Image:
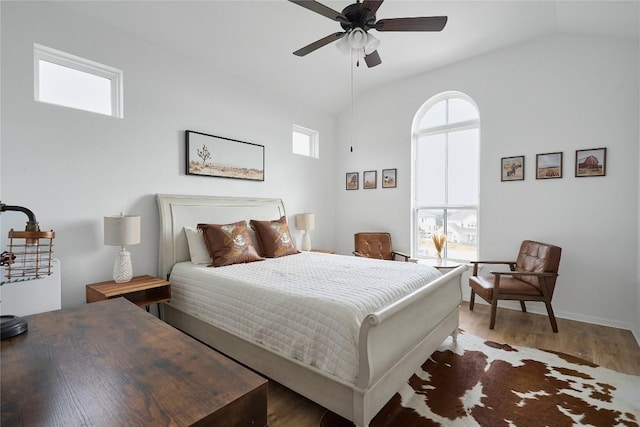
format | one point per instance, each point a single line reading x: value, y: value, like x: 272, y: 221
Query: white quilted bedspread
x: 307, y: 306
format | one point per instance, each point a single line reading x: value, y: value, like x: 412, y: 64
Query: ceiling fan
x: 357, y: 19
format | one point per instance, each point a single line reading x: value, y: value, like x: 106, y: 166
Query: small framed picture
x: 369, y: 180
x: 389, y: 178
x: 592, y: 162
x: 548, y: 165
x: 353, y: 179
x: 512, y: 168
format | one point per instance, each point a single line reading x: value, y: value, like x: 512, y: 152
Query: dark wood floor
x: 609, y: 347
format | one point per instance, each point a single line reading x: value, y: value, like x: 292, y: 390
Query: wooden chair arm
x: 492, y: 262
x: 523, y: 273
x: 401, y: 254
x: 511, y: 264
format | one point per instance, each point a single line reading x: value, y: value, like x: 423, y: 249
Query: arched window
x: 446, y: 158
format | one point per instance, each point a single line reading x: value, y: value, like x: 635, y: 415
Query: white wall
x: 72, y: 167
x: 636, y: 331
x: 558, y: 93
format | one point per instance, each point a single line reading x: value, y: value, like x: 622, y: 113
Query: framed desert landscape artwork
x: 512, y: 168
x: 549, y: 165
x: 352, y: 180
x: 210, y: 155
x: 389, y: 178
x: 369, y: 180
x: 592, y: 162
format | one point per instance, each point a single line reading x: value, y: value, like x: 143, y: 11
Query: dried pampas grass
x: 439, y: 241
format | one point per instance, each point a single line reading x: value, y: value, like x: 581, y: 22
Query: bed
x: 390, y: 341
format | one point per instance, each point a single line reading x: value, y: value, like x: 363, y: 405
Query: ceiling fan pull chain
x: 352, y: 109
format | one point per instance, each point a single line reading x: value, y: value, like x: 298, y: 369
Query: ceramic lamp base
x: 306, y: 241
x: 122, y: 269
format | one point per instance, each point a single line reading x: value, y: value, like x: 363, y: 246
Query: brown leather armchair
x: 532, y: 277
x: 376, y: 245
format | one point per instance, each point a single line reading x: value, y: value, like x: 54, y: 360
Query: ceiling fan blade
x: 318, y: 44
x: 373, y: 59
x: 371, y: 5
x: 321, y: 9
x: 431, y: 23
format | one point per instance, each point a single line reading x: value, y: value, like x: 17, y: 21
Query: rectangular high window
x: 306, y: 142
x: 71, y: 81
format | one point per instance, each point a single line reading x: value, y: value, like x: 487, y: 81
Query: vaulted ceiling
x: 254, y: 40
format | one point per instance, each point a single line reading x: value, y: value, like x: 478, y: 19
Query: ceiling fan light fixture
x: 357, y: 38
x: 371, y: 45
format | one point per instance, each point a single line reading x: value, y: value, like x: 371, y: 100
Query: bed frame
x: 394, y: 341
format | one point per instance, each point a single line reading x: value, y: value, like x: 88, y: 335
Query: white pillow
x: 197, y: 247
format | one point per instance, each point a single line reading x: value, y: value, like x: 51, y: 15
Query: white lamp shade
x: 357, y: 38
x: 372, y: 44
x: 306, y: 221
x: 122, y: 230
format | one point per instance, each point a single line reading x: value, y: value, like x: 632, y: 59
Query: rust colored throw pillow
x: 229, y: 243
x: 274, y: 238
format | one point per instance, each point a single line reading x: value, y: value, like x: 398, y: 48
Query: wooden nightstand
x: 323, y: 251
x: 141, y: 290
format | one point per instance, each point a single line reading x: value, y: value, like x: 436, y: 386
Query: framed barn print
x: 548, y: 165
x: 512, y: 168
x: 591, y: 162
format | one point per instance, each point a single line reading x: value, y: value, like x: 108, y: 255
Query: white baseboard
x: 540, y: 309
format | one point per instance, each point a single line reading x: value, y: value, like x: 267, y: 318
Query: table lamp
x: 122, y: 230
x: 306, y: 222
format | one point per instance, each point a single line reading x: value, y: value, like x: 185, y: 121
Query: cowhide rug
x: 480, y: 383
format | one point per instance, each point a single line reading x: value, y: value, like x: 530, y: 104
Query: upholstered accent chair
x: 376, y: 245
x: 532, y: 277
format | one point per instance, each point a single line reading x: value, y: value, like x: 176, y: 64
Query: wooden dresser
x: 112, y: 364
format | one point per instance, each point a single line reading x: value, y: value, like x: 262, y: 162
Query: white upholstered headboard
x: 178, y: 211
